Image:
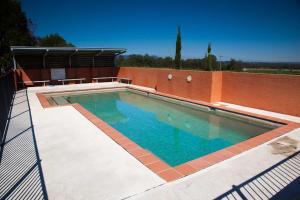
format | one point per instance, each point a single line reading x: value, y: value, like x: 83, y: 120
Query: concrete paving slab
x: 262, y: 112
x: 81, y: 162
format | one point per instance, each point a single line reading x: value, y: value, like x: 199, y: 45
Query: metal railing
x: 7, y: 91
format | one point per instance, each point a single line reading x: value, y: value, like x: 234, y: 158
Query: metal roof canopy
x: 44, y: 51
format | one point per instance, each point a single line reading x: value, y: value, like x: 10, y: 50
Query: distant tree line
x: 207, y: 63
x: 137, y: 60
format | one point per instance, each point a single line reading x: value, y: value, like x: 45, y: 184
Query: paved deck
x: 262, y: 112
x: 78, y: 161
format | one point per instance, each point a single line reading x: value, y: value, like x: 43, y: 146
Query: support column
x: 44, y: 58
x: 70, y: 57
x: 216, y: 87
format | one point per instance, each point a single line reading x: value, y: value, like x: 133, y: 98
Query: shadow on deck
x: 281, y: 181
x: 20, y: 166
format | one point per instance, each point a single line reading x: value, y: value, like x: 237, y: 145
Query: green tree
x: 166, y: 62
x: 208, y: 57
x: 209, y: 49
x: 15, y: 29
x: 234, y: 65
x: 144, y: 61
x: 54, y: 40
x: 191, y: 63
x: 210, y: 60
x: 178, y: 50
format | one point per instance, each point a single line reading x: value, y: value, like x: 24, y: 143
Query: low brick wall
x: 277, y: 93
x: 82, y: 72
x: 273, y: 92
x: 201, y: 87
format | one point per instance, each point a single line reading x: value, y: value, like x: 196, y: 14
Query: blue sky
x: 253, y: 30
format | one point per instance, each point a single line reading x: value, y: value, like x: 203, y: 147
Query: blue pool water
x: 173, y: 132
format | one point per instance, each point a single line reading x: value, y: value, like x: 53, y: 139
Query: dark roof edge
x: 60, y: 49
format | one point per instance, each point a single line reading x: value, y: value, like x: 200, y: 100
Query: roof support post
x: 97, y: 54
x: 115, y: 55
x: 70, y: 57
x: 44, y: 58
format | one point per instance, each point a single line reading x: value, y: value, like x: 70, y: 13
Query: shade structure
x: 63, y: 57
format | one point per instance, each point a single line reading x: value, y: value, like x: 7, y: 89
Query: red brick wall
x: 200, y: 88
x: 217, y: 80
x: 45, y: 74
x: 278, y: 93
x: 33, y: 74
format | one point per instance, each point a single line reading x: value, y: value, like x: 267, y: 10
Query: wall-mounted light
x: 170, y: 76
x: 189, y: 78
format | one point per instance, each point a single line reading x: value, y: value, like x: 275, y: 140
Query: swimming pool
x: 175, y: 131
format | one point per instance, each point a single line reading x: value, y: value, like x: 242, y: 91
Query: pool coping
x: 158, y: 166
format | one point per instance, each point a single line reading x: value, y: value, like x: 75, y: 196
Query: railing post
x: 2, y: 112
x: 15, y: 80
x: 6, y: 89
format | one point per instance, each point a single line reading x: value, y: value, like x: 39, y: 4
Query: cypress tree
x: 178, y: 50
x: 209, y: 48
x: 209, y: 57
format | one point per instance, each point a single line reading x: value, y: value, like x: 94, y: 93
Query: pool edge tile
x: 186, y: 169
x: 158, y: 166
x: 170, y: 174
x: 199, y: 163
x: 148, y: 159
x: 162, y: 169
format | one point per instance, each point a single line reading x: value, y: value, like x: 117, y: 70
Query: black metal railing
x: 280, y: 181
x: 7, y: 90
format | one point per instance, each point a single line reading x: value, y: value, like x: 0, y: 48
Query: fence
x: 7, y: 91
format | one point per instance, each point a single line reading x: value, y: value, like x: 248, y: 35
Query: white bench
x: 71, y: 79
x: 125, y: 79
x: 105, y: 78
x: 33, y: 82
x: 112, y: 79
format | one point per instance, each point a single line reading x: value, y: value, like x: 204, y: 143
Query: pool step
x: 60, y: 101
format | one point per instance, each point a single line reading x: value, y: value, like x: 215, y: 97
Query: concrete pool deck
x: 262, y: 112
x: 80, y: 162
